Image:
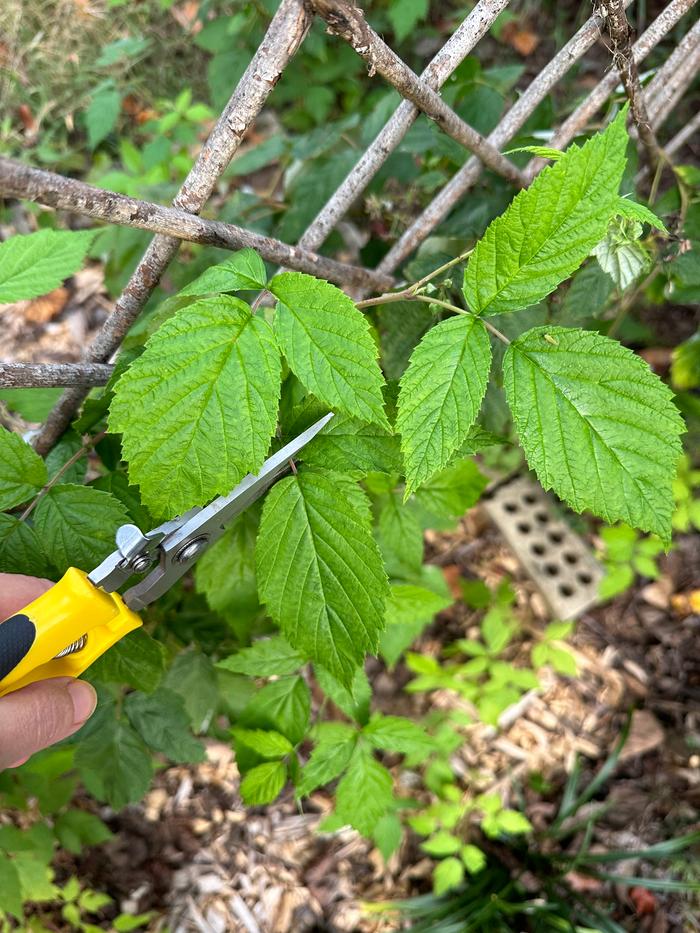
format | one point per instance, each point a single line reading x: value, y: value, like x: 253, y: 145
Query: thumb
x: 41, y: 714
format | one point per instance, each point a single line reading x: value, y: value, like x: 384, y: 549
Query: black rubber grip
x: 17, y: 635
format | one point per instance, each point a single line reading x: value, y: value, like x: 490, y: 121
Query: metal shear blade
x: 179, y: 542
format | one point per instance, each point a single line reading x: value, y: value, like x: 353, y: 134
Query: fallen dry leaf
x: 646, y: 734
x: 452, y: 575
x: 643, y: 900
x: 519, y: 37
x: 46, y: 307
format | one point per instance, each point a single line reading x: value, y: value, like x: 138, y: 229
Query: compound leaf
x: 596, y: 425
x: 550, y: 227
x: 198, y: 408
x: 320, y: 573
x: 330, y: 756
x: 328, y: 345
x: 364, y: 792
x: 440, y: 396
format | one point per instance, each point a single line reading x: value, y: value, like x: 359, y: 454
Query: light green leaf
x: 76, y: 829
x: 397, y: 734
x: 328, y: 345
x: 350, y: 445
x: 685, y: 365
x: 400, y: 536
x: 542, y: 152
x: 329, y: 758
x: 557, y: 630
x: 473, y: 858
x: 320, y: 572
x: 626, y: 207
x: 562, y: 661
x: 198, y: 408
x: 193, y: 677
x: 264, y: 743
x: 452, y: 491
x: 10, y: 892
x: 354, y: 700
x: 263, y: 783
x: 226, y: 572
x: 283, y: 706
x: 387, y: 835
x: 621, y: 257
x: 20, y: 548
x: 441, y: 394
x: 404, y: 15
x: 511, y: 821
x: 442, y: 843
x: 265, y: 658
x: 550, y: 227
x: 22, y: 471
x: 37, y: 263
x: 137, y: 660
x: 35, y: 878
x: 408, y: 610
x: 32, y: 404
x: 243, y: 270
x: 102, y: 114
x: 618, y: 578
x: 448, y: 874
x: 77, y: 525
x: 114, y: 764
x: 162, y: 722
x: 596, y: 425
x: 368, y: 782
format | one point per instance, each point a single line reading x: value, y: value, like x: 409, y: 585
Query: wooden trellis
x: 650, y: 107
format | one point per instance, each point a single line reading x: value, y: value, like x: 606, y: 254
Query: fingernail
x: 84, y: 700
x: 19, y: 762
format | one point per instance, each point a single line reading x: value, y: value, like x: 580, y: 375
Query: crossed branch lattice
x: 650, y: 108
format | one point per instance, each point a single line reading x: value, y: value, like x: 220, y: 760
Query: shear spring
x: 77, y: 645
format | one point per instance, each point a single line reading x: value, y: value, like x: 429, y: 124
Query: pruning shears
x: 62, y: 632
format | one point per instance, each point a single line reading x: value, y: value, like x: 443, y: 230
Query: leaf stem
x: 86, y: 445
x: 408, y: 293
x: 445, y: 304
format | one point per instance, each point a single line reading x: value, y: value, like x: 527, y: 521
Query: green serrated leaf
x: 329, y: 758
x: 596, y: 425
x: 397, y: 734
x: 473, y: 858
x: 78, y: 828
x: 442, y: 843
x: 328, y: 345
x: 22, y: 471
x: 226, y: 572
x: 542, y: 152
x: 137, y: 660
x: 267, y: 657
x: 102, y: 114
x: 243, y: 270
x: 114, y: 764
x: 448, y: 874
x: 77, y: 525
x: 400, y: 536
x: 35, y: 878
x: 193, y: 676
x: 440, y: 396
x: 58, y: 457
x: 404, y: 15
x: 263, y: 783
x: 452, y: 491
x: 511, y: 821
x: 198, y: 408
x: 162, y: 722
x: 21, y: 550
x: 366, y: 781
x: 587, y: 295
x: 621, y: 257
x: 550, y: 227
x: 283, y: 705
x: 633, y: 211
x: 320, y: 573
x: 36, y: 263
x: 354, y: 700
x: 265, y: 743
x: 350, y: 445
x: 387, y: 835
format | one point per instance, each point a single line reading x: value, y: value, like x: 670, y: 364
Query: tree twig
x: 78, y: 197
x: 620, y: 34
x: 43, y: 375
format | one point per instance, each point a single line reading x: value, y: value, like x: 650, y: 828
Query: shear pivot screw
x: 139, y: 564
x: 191, y: 549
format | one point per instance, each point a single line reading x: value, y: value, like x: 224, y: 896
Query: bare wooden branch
x: 620, y: 34
x: 460, y: 183
x: 673, y: 78
x: 684, y: 135
x: 78, y: 197
x: 50, y: 375
x: 452, y: 53
x: 578, y: 120
x: 284, y: 35
x: 348, y: 21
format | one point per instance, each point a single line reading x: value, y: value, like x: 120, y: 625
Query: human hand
x: 44, y: 712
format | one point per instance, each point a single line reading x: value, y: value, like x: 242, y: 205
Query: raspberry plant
x: 330, y: 567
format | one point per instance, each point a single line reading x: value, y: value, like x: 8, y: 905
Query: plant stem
x: 408, y: 293
x: 91, y: 442
x: 445, y: 304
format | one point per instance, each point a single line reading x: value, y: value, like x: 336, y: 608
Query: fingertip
x: 84, y: 699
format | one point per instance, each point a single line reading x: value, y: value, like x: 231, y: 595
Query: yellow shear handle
x: 71, y: 609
